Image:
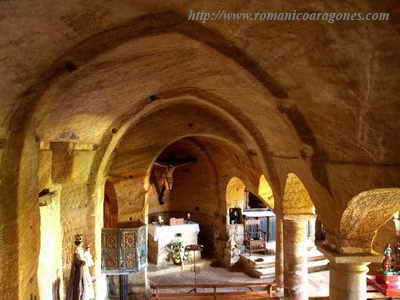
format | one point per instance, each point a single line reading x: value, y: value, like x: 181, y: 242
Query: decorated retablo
x: 124, y: 250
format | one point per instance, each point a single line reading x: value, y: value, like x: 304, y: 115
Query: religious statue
x: 163, y: 177
x: 388, y: 260
x: 80, y: 282
x: 397, y: 256
x: 235, y: 215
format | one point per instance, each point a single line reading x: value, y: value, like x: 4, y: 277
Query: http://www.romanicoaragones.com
x: 330, y: 17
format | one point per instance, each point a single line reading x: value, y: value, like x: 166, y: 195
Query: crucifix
x: 164, y: 178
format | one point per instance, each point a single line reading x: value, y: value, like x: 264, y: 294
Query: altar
x: 162, y: 235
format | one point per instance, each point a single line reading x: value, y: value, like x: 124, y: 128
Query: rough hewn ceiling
x: 342, y: 77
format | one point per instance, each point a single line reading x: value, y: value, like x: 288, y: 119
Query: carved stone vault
x: 94, y: 91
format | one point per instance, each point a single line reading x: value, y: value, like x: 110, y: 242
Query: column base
x: 348, y: 280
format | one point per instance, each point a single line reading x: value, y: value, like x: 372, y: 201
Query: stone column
x: 311, y: 239
x: 295, y: 256
x: 348, y: 281
x: 348, y: 274
x: 80, y: 205
x: 396, y: 221
x: 279, y: 251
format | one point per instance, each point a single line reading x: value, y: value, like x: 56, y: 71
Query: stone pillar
x: 311, y: 239
x: 80, y: 209
x: 348, y: 274
x: 279, y: 251
x: 295, y: 256
x: 348, y: 281
x: 396, y: 221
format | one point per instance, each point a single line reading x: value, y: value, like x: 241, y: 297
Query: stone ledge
x: 300, y: 217
x: 338, y: 258
x: 70, y: 146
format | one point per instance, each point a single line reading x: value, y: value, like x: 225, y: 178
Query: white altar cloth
x: 167, y: 232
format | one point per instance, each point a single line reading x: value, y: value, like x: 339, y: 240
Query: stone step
x: 311, y: 260
x: 313, y: 266
x: 167, y: 269
x: 271, y: 264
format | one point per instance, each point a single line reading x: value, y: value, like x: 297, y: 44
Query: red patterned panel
x: 130, y: 259
x: 129, y: 240
x: 111, y: 261
x: 111, y: 241
x: 110, y: 251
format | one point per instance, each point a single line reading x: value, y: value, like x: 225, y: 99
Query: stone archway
x: 298, y: 210
x: 365, y: 214
x: 387, y: 233
x: 86, y: 147
x: 229, y: 247
x: 235, y: 194
x: 265, y: 192
x: 296, y: 199
x: 137, y: 147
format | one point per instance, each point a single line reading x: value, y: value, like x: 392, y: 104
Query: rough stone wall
x: 28, y: 222
x: 77, y: 70
x: 131, y: 199
x: 154, y: 203
x: 235, y: 194
x: 76, y: 218
x: 385, y: 235
x: 110, y: 206
x: 231, y: 247
x: 9, y: 275
x: 197, y: 189
x: 50, y: 276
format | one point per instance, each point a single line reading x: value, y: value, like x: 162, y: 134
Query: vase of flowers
x: 177, y: 252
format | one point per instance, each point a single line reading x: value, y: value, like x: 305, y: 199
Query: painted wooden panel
x: 124, y: 250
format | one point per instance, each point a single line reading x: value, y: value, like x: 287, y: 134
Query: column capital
x: 338, y: 258
x: 69, y: 162
x: 299, y: 217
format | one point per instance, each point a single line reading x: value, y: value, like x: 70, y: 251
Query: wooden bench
x: 267, y: 292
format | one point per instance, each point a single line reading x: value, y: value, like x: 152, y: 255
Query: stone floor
x: 318, y: 281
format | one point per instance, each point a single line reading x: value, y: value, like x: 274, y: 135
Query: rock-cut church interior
x: 147, y: 153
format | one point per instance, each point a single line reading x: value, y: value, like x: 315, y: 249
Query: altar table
x: 161, y: 235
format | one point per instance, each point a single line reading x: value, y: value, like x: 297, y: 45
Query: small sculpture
x: 163, y: 177
x: 397, y: 256
x: 388, y: 260
x: 80, y: 282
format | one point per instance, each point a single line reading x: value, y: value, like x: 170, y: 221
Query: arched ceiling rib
x: 317, y: 63
x: 115, y: 82
x: 142, y: 144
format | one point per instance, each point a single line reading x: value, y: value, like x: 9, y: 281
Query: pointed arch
x: 235, y: 193
x: 265, y: 192
x: 296, y: 199
x: 365, y: 214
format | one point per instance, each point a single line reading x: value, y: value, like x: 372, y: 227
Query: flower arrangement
x: 177, y: 252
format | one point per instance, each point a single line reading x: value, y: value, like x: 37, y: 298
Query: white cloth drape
x: 164, y: 231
